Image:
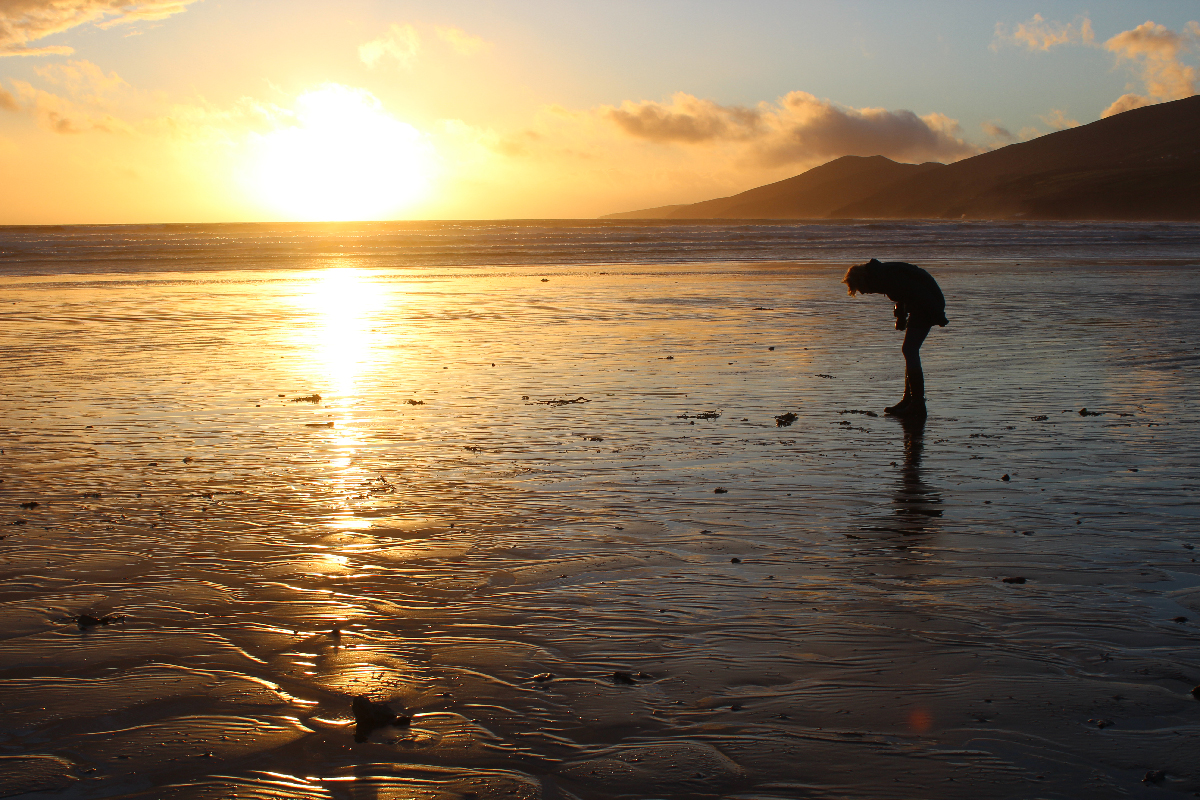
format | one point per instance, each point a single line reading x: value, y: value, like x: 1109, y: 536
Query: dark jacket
x: 916, y: 294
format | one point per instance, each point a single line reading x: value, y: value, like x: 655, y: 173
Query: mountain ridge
x: 1143, y: 164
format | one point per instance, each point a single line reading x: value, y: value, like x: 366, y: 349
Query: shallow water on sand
x: 815, y: 610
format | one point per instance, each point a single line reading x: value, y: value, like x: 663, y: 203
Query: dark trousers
x: 914, y: 378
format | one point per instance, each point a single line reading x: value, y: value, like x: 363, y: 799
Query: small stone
x: 370, y: 715
x: 720, y: 491
x: 1016, y: 579
x: 1005, y: 477
x: 735, y: 560
x: 542, y: 677
x: 1179, y: 619
x: 1154, y: 776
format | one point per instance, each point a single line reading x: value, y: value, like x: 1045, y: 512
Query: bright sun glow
x: 344, y: 158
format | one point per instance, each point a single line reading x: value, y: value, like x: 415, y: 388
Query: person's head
x: 864, y: 278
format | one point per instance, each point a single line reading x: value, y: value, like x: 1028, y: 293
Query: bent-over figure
x: 919, y: 306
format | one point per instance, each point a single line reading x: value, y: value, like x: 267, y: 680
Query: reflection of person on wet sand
x: 919, y: 306
x: 915, y: 501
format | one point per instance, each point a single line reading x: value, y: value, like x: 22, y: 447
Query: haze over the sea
x: 194, y: 111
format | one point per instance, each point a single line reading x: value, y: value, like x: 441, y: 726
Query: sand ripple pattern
x: 557, y: 592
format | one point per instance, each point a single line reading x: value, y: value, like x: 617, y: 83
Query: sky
x: 139, y: 111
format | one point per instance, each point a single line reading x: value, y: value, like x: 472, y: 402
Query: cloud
x: 1040, y: 34
x: 401, y: 42
x: 25, y: 21
x: 997, y: 131
x: 464, y: 44
x: 83, y: 80
x: 799, y: 128
x: 1126, y: 102
x: 7, y: 101
x: 686, y: 119
x: 1156, y: 52
x: 1058, y: 119
x: 62, y: 116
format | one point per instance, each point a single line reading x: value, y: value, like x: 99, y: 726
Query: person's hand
x: 901, y: 323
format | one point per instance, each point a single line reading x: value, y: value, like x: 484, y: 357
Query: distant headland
x: 1142, y: 164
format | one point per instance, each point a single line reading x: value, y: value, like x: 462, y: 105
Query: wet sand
x: 835, y: 623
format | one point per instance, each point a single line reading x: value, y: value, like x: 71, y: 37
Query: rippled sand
x: 432, y: 533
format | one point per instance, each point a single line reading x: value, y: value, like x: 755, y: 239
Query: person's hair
x: 861, y: 277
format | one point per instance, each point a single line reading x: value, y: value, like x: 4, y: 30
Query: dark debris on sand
x: 559, y: 402
x: 308, y: 398
x: 785, y: 420
x: 86, y: 621
x: 369, y: 715
x: 628, y: 678
x: 858, y: 411
x: 414, y: 402
x: 701, y: 415
x: 1083, y: 412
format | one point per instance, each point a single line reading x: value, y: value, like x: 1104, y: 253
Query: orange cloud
x: 25, y: 21
x: 1156, y: 51
x: 83, y: 80
x: 1058, y: 119
x: 800, y: 128
x: 62, y: 116
x: 1040, y: 34
x: 464, y: 43
x: 7, y: 101
x: 401, y: 43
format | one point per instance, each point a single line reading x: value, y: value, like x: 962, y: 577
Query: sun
x: 343, y: 157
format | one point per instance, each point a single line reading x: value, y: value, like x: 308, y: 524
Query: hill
x: 1143, y: 164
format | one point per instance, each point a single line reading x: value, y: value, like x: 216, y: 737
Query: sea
x: 596, y: 510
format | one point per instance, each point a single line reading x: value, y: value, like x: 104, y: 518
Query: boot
x: 900, y: 408
x: 915, y: 409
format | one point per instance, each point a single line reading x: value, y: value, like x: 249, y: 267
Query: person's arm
x: 901, y: 312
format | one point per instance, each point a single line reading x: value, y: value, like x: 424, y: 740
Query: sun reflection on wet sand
x: 342, y: 345
x: 343, y: 354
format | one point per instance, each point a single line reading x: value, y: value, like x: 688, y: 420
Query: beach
x: 527, y: 486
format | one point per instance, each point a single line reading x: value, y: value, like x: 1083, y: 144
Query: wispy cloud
x: 1057, y: 118
x: 1156, y: 53
x: 798, y: 128
x: 26, y: 21
x: 1039, y: 33
x: 997, y: 132
x: 60, y: 115
x: 401, y: 43
x: 83, y: 80
x: 464, y: 43
x: 7, y: 101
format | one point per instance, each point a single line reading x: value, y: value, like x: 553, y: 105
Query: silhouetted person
x: 919, y: 306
